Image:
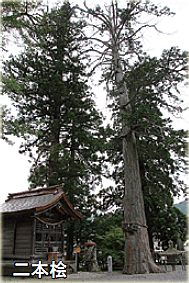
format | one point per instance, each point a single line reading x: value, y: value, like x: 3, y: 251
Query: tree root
x: 153, y: 268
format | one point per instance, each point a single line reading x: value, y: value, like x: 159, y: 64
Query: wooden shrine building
x: 32, y: 224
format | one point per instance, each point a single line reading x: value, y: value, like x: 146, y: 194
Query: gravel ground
x: 175, y: 276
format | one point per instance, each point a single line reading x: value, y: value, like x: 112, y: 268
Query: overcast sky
x: 14, y: 167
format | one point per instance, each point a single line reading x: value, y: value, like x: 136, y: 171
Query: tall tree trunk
x: 55, y: 127
x: 71, y: 192
x: 53, y: 164
x: 138, y: 257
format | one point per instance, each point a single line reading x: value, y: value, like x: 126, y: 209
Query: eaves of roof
x: 36, y: 201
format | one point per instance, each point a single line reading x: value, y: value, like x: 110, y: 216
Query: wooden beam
x: 14, y: 243
x: 33, y: 236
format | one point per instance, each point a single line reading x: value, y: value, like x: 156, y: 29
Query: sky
x: 14, y: 167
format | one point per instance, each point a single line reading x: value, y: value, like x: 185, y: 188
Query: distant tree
x: 112, y: 243
x: 56, y: 115
x: 172, y: 226
x: 106, y: 231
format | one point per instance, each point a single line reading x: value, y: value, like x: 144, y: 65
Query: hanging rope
x: 48, y: 223
x: 132, y: 226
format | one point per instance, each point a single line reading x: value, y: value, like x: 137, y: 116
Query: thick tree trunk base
x: 138, y: 258
x: 154, y: 268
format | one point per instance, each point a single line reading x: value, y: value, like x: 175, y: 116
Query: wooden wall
x: 16, y: 237
x: 7, y: 237
x: 23, y: 237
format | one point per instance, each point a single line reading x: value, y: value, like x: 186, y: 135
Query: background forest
x: 65, y: 136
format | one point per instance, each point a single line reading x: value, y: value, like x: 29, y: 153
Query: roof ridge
x: 35, y: 192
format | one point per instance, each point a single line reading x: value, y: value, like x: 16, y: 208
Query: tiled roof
x: 36, y: 200
x: 26, y: 203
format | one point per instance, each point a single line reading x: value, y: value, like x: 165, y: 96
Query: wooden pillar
x: 49, y: 236
x: 14, y: 237
x: 33, y: 238
x: 62, y: 227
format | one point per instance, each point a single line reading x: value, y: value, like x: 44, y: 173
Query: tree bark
x: 53, y: 164
x: 138, y: 258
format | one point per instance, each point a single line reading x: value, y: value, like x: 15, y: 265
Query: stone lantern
x: 90, y: 257
x: 172, y: 254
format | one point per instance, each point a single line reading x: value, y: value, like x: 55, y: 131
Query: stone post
x: 109, y: 263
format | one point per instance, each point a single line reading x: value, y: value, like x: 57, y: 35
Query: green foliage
x: 17, y: 18
x: 107, y: 233
x: 112, y: 243
x: 55, y: 111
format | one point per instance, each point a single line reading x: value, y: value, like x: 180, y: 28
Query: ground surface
x: 176, y: 276
x: 179, y: 276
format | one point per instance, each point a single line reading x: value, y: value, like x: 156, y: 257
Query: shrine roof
x: 37, y: 200
x: 171, y: 251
